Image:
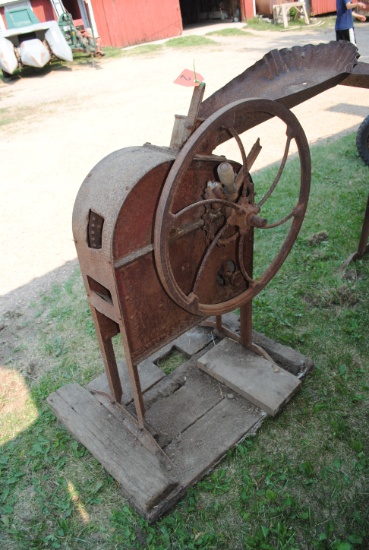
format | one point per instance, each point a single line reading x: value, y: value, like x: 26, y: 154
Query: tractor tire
x: 362, y: 140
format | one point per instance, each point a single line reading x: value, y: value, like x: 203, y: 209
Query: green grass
x: 5, y: 117
x: 264, y: 24
x: 144, y: 49
x: 154, y: 49
x: 300, y: 484
x: 260, y: 24
x: 175, y: 358
x: 189, y: 42
x: 228, y: 32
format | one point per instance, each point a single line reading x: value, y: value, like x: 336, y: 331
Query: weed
x: 171, y: 360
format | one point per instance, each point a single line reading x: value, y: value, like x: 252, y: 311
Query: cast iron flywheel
x: 216, y: 221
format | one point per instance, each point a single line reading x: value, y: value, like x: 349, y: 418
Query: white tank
x: 57, y: 42
x: 34, y: 53
x: 8, y: 60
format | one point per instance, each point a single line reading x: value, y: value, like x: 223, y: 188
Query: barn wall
x: 43, y: 10
x: 247, y: 9
x: 129, y: 22
x: 320, y: 7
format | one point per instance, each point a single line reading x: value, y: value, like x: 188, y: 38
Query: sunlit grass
x: 228, y: 32
x: 189, y: 42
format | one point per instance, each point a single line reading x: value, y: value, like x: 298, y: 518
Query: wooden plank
x: 173, y: 414
x: 189, y: 343
x: 259, y: 381
x: 194, y: 417
x: 203, y: 444
x: 149, y: 374
x: 193, y: 341
x: 175, y: 379
x: 142, y: 475
x: 290, y: 359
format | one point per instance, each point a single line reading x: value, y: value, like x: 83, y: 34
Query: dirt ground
x: 64, y: 122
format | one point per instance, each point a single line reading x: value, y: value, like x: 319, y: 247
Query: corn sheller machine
x: 167, y: 239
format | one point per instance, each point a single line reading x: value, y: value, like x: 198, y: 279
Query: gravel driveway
x: 63, y: 123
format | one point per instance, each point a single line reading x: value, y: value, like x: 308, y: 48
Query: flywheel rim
x: 226, y: 117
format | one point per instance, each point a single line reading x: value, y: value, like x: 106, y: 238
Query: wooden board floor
x: 192, y: 418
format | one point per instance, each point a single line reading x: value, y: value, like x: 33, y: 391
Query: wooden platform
x: 192, y: 417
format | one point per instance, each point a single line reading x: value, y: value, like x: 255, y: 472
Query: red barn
x: 122, y: 23
x: 320, y: 7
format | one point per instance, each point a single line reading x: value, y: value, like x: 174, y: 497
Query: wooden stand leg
x: 184, y: 126
x: 246, y: 310
x: 284, y: 17
x: 306, y: 17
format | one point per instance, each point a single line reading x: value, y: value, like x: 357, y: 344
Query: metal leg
x: 106, y: 329
x: 246, y: 325
x: 363, y: 243
x: 135, y: 381
x: 246, y: 309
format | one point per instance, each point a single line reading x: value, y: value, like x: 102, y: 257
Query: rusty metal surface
x: 363, y: 241
x: 120, y: 277
x: 222, y: 280
x: 289, y: 76
x: 359, y: 76
x: 105, y: 192
x: 165, y: 237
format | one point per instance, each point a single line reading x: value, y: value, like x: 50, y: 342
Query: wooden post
x: 184, y: 126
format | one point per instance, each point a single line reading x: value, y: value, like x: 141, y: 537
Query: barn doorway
x: 204, y: 11
x: 77, y: 9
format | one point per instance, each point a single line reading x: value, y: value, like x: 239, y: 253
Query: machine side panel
x: 151, y: 318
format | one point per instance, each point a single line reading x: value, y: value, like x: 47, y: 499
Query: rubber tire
x: 362, y: 140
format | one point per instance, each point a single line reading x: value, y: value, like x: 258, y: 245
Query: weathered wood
x: 193, y: 341
x: 151, y: 483
x: 149, y: 373
x: 280, y: 12
x: 174, y: 380
x: 250, y: 375
x: 288, y: 358
x: 202, y: 445
x: 172, y: 414
x: 192, y: 415
x: 141, y: 474
x: 190, y: 343
x: 184, y: 126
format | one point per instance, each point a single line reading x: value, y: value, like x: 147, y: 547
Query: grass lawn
x: 300, y: 483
